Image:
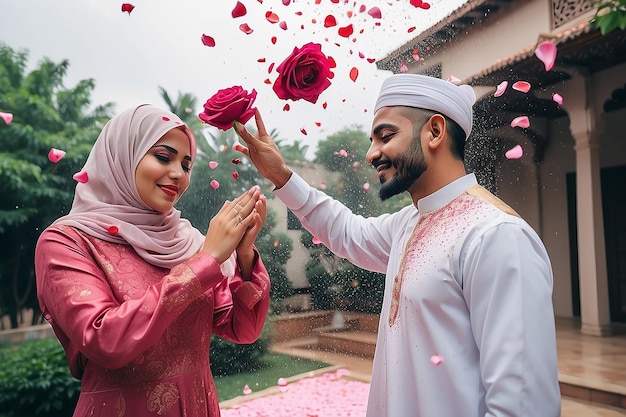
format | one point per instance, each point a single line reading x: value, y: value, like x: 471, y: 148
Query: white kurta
x: 476, y: 289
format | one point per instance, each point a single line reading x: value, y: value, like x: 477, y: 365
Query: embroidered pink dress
x: 138, y: 335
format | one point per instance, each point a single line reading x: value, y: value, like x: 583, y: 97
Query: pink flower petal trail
x: 501, y: 88
x: 7, y: 117
x: 546, y: 52
x: 514, y: 153
x: 521, y: 121
x: 81, y: 177
x: 522, y: 86
x: 323, y: 396
x: 55, y: 155
x: 556, y: 97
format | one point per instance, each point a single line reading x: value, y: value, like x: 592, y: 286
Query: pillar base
x: 596, y: 329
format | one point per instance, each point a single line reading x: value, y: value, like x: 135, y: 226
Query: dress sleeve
x: 366, y: 242
x: 508, y: 288
x: 76, y: 298
x: 241, y: 306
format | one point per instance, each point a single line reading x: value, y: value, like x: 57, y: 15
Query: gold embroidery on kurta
x: 162, y: 397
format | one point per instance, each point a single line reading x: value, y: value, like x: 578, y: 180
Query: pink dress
x: 138, y: 335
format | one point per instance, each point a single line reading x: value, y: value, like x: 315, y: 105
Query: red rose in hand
x: 303, y: 74
x: 227, y: 106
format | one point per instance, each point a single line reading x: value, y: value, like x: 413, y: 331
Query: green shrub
x: 35, y: 380
x: 229, y: 358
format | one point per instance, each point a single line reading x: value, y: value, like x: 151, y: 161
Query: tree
x: 46, y: 114
x: 610, y: 15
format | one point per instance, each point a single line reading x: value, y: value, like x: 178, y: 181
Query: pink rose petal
x: 521, y: 121
x: 55, y: 155
x: 7, y: 117
x: 283, y: 25
x: 245, y: 28
x: 557, y: 98
x: 272, y: 17
x: 215, y: 184
x: 213, y: 164
x: 235, y: 175
x: 247, y: 390
x: 366, y: 186
x: 343, y: 153
x: 522, y: 86
x: 346, y: 31
x: 454, y: 80
x: 354, y: 73
x: 208, y: 41
x: 546, y: 52
x: 127, y: 7
x: 501, y: 88
x: 403, y: 67
x: 113, y: 230
x: 81, y: 177
x: 514, y: 153
x: 282, y: 382
x: 330, y: 21
x: 375, y: 12
x: 436, y: 360
x: 316, y: 241
x: 239, y: 10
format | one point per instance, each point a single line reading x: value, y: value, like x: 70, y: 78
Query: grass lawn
x: 275, y: 366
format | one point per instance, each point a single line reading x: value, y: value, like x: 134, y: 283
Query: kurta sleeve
x: 366, y: 242
x: 241, y: 306
x: 77, y: 300
x: 508, y: 288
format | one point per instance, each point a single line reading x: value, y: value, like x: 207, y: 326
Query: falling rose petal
x: 215, y: 184
x: 272, y: 17
x: 267, y: 81
x: 283, y: 25
x: 165, y: 119
x: 375, y: 12
x: 261, y: 60
x: 286, y: 107
x: 316, y: 241
x: 276, y: 243
x: 522, y: 86
x: 7, y: 117
x: 521, y: 121
x: 514, y: 153
x: 324, y: 105
x: 331, y: 62
x: 274, y: 39
x: 371, y: 60
x: 403, y: 67
x: 81, y: 177
x: 235, y: 175
x: 343, y: 153
x: 208, y: 41
x: 235, y: 161
x: 366, y: 186
x: 556, y: 97
x: 323, y: 185
x: 454, y: 80
x: 270, y: 68
x: 213, y: 164
x: 239, y: 10
x: 546, y: 52
x: 501, y: 88
x: 303, y: 131
x: 282, y: 382
x: 127, y: 7
x: 411, y: 29
x: 318, y: 124
x: 113, y: 230
x: 247, y: 390
x: 346, y: 31
x: 416, y: 3
x: 436, y: 360
x: 245, y: 28
x: 425, y: 6
x: 286, y: 2
x: 330, y: 21
x: 361, y: 55
x: 55, y: 155
x: 354, y: 73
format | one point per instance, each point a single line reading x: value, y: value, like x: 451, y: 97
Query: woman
x: 132, y: 291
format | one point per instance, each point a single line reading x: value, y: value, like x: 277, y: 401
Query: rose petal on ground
x: 354, y: 73
x: 501, y: 88
x: 557, y: 98
x: 213, y: 164
x: 454, y: 80
x: 375, y: 12
x: 215, y: 184
x: 366, y: 186
x: 208, y: 40
x: 127, y: 7
x: 272, y: 17
x: 55, y: 155
x: 522, y: 86
x: 316, y: 241
x: 330, y: 21
x: 323, y: 185
x: 346, y: 31
x: 239, y: 10
x: 521, y: 121
x: 7, y: 117
x: 546, y: 52
x: 436, y: 360
x: 113, y: 230
x: 81, y: 177
x: 245, y: 28
x: 282, y: 382
x: 403, y: 67
x: 514, y: 153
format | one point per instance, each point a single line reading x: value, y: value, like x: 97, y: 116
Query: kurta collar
x: 446, y: 194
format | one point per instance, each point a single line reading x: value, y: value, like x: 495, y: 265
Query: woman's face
x: 163, y: 174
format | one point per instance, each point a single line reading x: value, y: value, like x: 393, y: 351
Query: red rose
x: 303, y: 74
x: 227, y: 106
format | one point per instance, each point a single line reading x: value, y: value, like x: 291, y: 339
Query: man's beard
x: 409, y: 167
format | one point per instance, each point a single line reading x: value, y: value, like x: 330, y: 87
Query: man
x: 467, y: 325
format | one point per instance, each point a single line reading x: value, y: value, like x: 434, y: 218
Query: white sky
x: 159, y: 44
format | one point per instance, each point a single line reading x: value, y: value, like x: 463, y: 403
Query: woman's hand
x: 231, y: 223
x: 245, y: 249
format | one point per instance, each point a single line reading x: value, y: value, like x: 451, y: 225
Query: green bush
x: 35, y: 380
x: 229, y: 358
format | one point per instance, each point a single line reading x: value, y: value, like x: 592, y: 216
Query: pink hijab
x: 110, y: 198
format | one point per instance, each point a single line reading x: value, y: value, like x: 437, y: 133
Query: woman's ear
x: 437, y: 127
